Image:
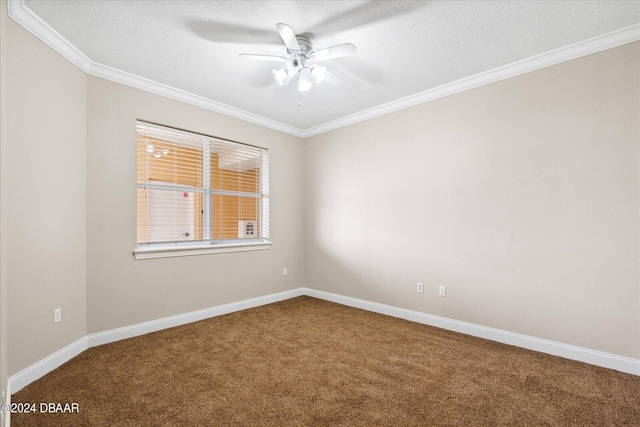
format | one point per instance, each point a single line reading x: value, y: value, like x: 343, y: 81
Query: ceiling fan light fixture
x: 304, y: 84
x: 280, y: 75
x: 318, y: 72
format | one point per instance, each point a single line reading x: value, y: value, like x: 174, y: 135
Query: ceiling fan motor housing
x: 299, y: 58
x: 305, y: 44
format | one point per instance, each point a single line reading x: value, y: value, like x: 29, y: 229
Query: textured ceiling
x: 403, y: 48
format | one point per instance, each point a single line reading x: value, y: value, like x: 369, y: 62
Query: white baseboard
x: 48, y: 364
x: 25, y: 377
x: 182, y: 319
x: 593, y: 357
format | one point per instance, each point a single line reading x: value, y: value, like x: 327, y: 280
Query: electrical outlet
x: 57, y: 315
x: 420, y: 287
x: 443, y: 291
x: 285, y: 271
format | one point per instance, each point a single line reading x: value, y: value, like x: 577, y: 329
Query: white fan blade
x: 289, y: 77
x: 331, y: 78
x: 338, y: 51
x: 263, y: 57
x: 288, y: 37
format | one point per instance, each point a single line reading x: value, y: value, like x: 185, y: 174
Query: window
x: 199, y: 194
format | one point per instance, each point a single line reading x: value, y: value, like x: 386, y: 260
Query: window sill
x: 176, y: 251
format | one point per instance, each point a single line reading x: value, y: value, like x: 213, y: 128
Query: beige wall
x: 122, y: 291
x: 520, y: 196
x: 45, y: 182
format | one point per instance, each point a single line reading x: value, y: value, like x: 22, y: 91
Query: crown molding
x: 34, y: 24
x: 24, y: 16
x: 587, y: 47
x: 128, y: 79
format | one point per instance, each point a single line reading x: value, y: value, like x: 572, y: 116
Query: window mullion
x: 206, y: 171
x: 264, y: 192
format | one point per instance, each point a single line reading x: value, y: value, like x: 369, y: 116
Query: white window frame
x: 207, y: 246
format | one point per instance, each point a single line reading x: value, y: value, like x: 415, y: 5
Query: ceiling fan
x: 301, y: 63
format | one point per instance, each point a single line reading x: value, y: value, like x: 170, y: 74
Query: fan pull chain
x: 299, y: 103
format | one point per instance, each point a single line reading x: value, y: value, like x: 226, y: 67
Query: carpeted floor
x: 310, y: 362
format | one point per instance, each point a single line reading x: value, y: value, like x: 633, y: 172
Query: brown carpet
x: 310, y: 362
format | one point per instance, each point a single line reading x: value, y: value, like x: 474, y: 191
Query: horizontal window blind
x: 199, y: 189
